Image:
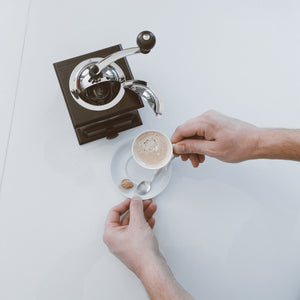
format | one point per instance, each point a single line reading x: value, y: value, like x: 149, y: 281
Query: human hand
x: 131, y: 238
x: 215, y: 135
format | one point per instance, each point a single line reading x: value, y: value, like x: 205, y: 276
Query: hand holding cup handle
x: 195, y: 159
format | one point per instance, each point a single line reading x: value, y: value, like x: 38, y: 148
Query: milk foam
x: 152, y: 149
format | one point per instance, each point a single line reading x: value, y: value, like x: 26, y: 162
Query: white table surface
x: 13, y: 24
x: 228, y: 231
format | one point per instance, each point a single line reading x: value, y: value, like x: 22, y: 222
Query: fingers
x: 197, y: 157
x: 151, y: 222
x: 136, y: 211
x: 193, y: 146
x: 147, y: 203
x: 150, y: 211
x: 184, y: 157
x: 115, y: 213
x: 201, y: 158
x: 140, y: 212
x: 194, y: 160
x: 189, y: 129
x: 125, y: 220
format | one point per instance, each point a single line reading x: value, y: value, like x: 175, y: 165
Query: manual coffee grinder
x: 101, y: 94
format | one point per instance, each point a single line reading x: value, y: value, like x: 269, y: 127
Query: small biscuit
x: 127, y: 184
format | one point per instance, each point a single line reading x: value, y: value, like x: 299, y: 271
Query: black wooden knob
x: 146, y: 41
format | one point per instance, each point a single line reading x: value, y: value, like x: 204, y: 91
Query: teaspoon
x: 144, y: 186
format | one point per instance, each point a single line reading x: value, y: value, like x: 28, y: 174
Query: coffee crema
x: 152, y: 149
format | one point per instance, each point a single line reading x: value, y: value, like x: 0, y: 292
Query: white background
x: 228, y: 231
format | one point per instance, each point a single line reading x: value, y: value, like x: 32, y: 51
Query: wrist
x: 251, y: 143
x: 258, y: 141
x: 278, y: 144
x: 152, y: 265
x: 159, y: 281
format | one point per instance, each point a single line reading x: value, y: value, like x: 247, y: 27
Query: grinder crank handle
x: 145, y: 41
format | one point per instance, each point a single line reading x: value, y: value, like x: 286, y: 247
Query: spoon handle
x: 160, y: 170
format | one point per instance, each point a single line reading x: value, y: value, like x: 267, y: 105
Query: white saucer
x: 123, y: 166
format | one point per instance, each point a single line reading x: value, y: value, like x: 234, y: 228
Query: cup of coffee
x: 152, y: 149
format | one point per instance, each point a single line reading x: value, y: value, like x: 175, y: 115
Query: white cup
x: 164, y: 162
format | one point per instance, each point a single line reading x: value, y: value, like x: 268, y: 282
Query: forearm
x: 277, y: 144
x: 160, y: 283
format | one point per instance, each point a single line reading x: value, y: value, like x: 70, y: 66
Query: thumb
x: 188, y: 146
x: 136, y: 210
